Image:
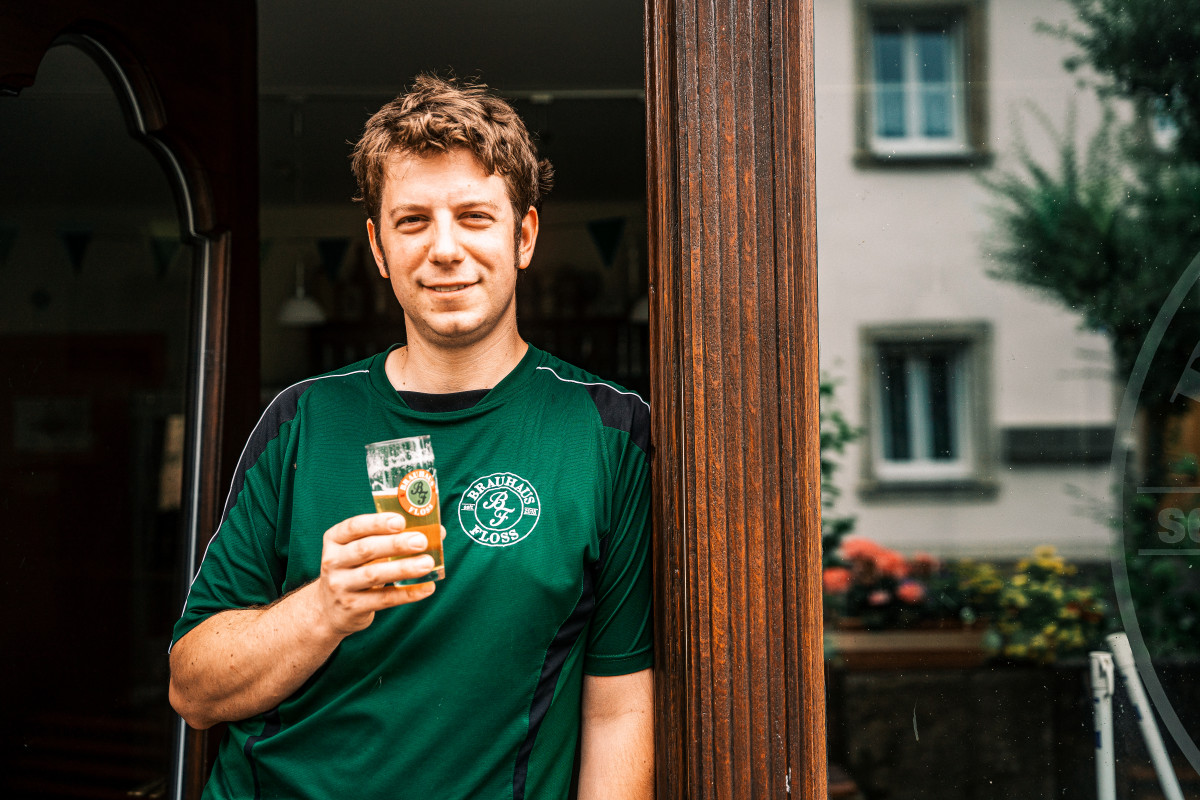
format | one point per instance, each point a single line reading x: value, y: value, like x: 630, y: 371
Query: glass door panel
x: 94, y: 349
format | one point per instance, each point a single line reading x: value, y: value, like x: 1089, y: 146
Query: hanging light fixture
x: 300, y: 310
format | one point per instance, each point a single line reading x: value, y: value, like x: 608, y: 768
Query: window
x: 919, y: 64
x: 922, y: 405
x: 925, y: 406
x: 917, y: 87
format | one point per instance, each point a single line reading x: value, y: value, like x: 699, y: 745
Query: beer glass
x: 404, y: 480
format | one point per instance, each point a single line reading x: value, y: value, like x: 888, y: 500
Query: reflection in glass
x: 1010, y: 321
x: 914, y: 82
x: 920, y: 402
x: 93, y: 345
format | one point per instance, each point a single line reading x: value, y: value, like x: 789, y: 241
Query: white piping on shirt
x: 595, y: 383
x: 250, y: 439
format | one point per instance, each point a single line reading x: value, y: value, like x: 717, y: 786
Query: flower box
x: 920, y: 648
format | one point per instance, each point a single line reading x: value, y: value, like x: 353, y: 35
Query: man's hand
x: 243, y: 662
x: 357, y: 575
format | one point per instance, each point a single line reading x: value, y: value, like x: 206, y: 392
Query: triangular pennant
x: 332, y: 252
x: 163, y: 249
x: 8, y: 237
x: 606, y: 235
x: 76, y: 241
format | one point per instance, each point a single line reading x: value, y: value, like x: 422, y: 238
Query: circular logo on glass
x: 499, y: 509
x: 416, y: 492
x: 1158, y: 516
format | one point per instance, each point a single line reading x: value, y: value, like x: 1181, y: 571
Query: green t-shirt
x: 473, y: 692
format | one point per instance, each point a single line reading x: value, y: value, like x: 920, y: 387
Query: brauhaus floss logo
x: 1177, y: 532
x: 500, y: 509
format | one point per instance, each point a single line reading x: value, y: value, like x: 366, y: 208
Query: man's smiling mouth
x: 456, y: 287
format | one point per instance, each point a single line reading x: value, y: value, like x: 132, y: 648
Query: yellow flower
x: 1044, y: 551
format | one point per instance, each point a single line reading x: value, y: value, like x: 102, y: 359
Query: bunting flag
x: 163, y: 249
x: 76, y: 240
x: 332, y: 252
x: 606, y: 235
x: 8, y: 237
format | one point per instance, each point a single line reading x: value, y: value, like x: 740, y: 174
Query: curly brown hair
x: 438, y: 115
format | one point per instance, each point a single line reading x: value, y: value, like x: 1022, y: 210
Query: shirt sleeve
x: 620, y: 639
x: 242, y: 567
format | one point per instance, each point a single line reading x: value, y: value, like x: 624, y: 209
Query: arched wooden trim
x: 740, y: 690
x: 186, y: 75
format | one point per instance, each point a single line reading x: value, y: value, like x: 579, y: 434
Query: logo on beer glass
x: 499, y: 509
x: 416, y: 492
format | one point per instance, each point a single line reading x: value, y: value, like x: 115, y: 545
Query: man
x: 534, y: 651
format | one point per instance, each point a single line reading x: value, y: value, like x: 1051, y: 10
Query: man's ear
x: 529, y: 232
x: 380, y: 258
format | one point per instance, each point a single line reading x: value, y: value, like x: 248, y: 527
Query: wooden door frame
x: 185, y: 73
x: 734, y: 393
x: 731, y: 203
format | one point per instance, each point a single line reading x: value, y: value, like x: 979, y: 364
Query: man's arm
x: 242, y: 662
x: 617, y: 737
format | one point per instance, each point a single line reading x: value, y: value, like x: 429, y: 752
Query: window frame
x: 969, y: 146
x: 968, y: 475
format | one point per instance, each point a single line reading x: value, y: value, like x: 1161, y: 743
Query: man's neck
x: 419, y: 367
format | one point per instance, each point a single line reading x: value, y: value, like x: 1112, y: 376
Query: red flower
x: 860, y: 547
x: 892, y: 563
x: 910, y: 592
x: 837, y: 580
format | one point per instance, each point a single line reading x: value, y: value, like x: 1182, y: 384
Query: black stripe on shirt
x: 272, y: 725
x: 281, y: 411
x: 623, y: 411
x: 556, y: 656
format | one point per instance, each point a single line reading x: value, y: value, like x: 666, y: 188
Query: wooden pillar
x: 740, y: 690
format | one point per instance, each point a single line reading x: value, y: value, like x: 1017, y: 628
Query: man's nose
x: 446, y: 247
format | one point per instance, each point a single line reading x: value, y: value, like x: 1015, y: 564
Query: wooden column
x: 740, y: 690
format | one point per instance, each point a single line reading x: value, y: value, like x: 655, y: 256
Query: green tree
x: 1106, y: 231
x: 1147, y: 51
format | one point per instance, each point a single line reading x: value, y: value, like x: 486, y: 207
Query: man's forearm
x: 245, y: 661
x: 617, y: 738
x: 242, y: 662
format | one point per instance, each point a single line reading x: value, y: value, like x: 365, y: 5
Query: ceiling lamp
x: 301, y: 310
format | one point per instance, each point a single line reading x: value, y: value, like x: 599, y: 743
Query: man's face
x: 446, y: 243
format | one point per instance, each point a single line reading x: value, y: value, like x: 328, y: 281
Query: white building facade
x: 987, y: 411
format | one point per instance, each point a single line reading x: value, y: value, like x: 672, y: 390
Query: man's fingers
x: 354, y: 605
x: 371, y: 548
x: 399, y: 595
x: 362, y: 525
x: 383, y: 573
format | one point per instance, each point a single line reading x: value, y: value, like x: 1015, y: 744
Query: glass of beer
x: 404, y: 480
